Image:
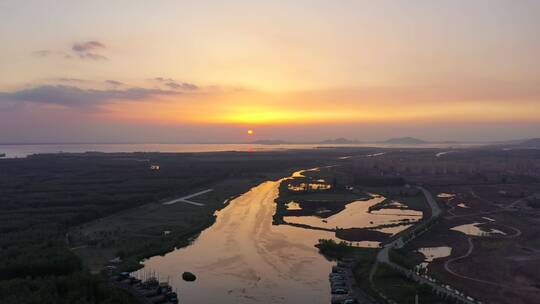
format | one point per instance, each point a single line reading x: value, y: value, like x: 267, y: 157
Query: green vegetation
x: 139, y: 233
x: 37, y: 268
x: 402, y: 289
x: 492, y: 244
x: 333, y: 249
x: 534, y: 242
x: 406, y: 257
x: 365, y: 258
x: 44, y: 199
x: 78, y: 287
x: 412, y: 198
x: 35, y: 252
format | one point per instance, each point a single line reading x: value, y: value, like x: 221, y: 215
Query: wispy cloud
x: 175, y: 85
x: 87, y: 46
x: 42, y: 53
x: 70, y: 79
x: 114, y: 82
x: 75, y: 97
x: 89, y: 50
x: 83, y: 50
x: 181, y: 86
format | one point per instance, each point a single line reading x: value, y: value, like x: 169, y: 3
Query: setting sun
x: 386, y: 130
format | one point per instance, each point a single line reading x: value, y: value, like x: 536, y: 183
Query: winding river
x: 243, y: 258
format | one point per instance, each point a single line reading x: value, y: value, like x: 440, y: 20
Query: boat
x: 2, y: 155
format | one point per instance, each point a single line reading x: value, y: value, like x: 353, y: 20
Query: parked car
x: 349, y: 301
x: 336, y: 277
x: 338, y: 284
x: 335, y: 280
x: 340, y: 290
x: 336, y: 269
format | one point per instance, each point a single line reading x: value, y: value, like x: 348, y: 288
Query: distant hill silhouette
x: 339, y: 141
x: 530, y: 143
x: 405, y: 141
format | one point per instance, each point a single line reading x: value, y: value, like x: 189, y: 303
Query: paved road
x: 435, y: 209
x: 185, y: 199
x: 383, y: 255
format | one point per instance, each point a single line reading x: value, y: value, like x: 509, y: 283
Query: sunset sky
x: 207, y: 71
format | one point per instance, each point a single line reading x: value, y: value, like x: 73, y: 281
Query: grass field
x: 403, y: 290
x: 150, y: 229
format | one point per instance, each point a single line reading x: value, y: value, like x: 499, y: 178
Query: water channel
x: 244, y: 258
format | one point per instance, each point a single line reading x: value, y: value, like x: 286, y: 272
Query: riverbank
x: 243, y: 255
x: 48, y: 201
x: 125, y: 239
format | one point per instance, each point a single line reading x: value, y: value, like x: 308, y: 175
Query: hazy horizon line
x: 258, y: 141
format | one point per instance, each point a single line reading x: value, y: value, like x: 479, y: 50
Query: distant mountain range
x: 524, y: 143
x: 529, y: 143
x: 345, y: 141
x: 405, y: 141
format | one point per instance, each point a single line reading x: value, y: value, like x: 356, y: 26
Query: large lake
x: 23, y: 150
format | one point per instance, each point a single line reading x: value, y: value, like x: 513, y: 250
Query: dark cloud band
x: 71, y: 96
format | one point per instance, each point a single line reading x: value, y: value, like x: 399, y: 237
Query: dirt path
x: 186, y: 198
x: 467, y: 254
x: 517, y: 232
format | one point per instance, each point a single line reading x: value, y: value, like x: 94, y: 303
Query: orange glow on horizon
x: 256, y: 108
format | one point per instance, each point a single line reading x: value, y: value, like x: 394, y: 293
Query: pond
x: 474, y: 229
x: 293, y: 206
x: 356, y: 214
x: 445, y: 195
x: 432, y: 253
